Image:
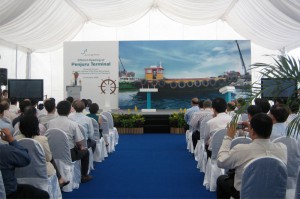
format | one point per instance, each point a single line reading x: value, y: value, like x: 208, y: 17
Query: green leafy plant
x: 282, y: 67
x: 128, y: 120
x: 177, y: 120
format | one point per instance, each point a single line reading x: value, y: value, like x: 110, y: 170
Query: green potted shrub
x: 177, y: 123
x: 129, y: 123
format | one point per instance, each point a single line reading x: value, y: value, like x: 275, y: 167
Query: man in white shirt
x: 49, y: 105
x: 76, y: 81
x: 197, y: 119
x: 13, y: 105
x: 236, y: 158
x: 85, y: 122
x: 220, y: 121
x: 75, y: 137
x: 279, y: 113
x: 294, y: 109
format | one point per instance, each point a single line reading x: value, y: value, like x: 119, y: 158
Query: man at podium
x: 76, y: 80
x: 74, y: 89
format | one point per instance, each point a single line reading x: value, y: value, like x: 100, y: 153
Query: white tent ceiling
x: 45, y: 24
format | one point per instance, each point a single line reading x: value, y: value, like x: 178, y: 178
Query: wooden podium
x: 73, y: 91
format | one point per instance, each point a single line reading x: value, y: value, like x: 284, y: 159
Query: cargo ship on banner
x: 154, y: 78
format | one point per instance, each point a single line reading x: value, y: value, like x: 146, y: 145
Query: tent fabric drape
x: 44, y: 25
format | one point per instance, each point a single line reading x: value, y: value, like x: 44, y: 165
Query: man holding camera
x: 260, y: 129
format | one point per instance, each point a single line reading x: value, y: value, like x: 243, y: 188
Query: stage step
x: 156, y: 124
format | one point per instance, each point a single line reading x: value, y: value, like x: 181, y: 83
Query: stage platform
x: 158, y: 112
x: 155, y: 122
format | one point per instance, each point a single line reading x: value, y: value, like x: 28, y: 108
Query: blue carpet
x: 146, y: 166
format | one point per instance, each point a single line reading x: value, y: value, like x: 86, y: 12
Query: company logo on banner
x: 88, y: 66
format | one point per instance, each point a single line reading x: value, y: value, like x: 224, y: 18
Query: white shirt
x: 69, y: 127
x: 85, y: 122
x: 78, y: 82
x: 14, y: 109
x: 198, y: 117
x: 46, y: 118
x: 241, y: 154
x: 278, y: 130
x: 214, y: 124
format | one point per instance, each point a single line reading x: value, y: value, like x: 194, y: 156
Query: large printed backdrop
x: 180, y: 70
x: 96, y: 62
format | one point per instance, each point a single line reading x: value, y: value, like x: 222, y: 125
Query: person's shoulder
x: 41, y: 138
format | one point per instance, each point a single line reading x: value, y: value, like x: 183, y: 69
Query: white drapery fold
x: 264, y: 24
x: 44, y: 25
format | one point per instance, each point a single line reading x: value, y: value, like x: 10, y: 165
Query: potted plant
x: 129, y: 123
x: 177, y: 123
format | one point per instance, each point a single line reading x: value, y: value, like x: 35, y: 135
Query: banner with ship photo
x: 96, y: 63
x: 181, y: 70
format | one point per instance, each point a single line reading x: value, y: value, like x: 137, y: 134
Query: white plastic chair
x: 100, y: 153
x: 297, y: 192
x: 35, y: 173
x: 2, y: 188
x: 108, y: 137
x: 112, y: 129
x: 71, y: 171
x: 212, y: 170
x: 264, y: 177
x: 91, y: 155
x: 201, y: 153
x: 190, y: 146
x: 293, y: 161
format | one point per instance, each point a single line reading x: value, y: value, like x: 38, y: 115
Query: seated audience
x: 5, y: 94
x: 94, y: 108
x: 13, y: 155
x: 279, y: 101
x: 71, y: 100
x: 189, y: 112
x: 294, y: 109
x: 265, y: 105
x: 13, y: 106
x: 22, y: 105
x: 230, y: 108
x: 197, y: 119
x: 237, y: 157
x: 29, y: 127
x: 31, y: 110
x: 85, y: 122
x: 257, y: 101
x: 201, y: 104
x: 239, y: 103
x: 220, y: 121
x: 4, y: 123
x: 50, y: 108
x: 279, y: 113
x: 7, y: 114
x: 251, y: 111
x: 75, y: 137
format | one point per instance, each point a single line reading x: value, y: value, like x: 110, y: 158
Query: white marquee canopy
x: 43, y: 25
